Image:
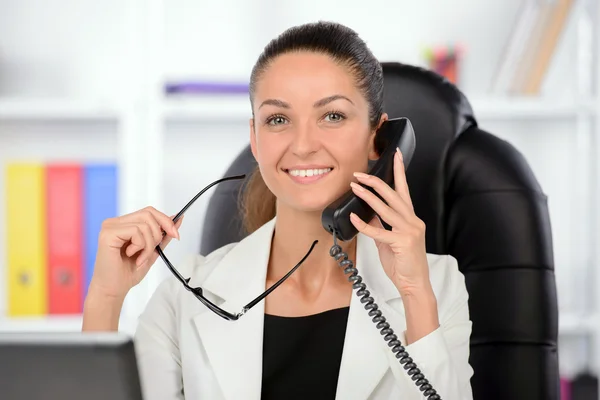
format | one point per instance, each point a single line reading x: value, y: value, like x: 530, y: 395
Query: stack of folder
x: 53, y: 216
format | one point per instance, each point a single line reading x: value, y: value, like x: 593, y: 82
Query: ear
x: 372, y: 152
x: 252, y: 138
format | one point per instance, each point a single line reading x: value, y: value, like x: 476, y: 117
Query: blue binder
x: 100, y: 203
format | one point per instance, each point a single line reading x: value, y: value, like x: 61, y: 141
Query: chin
x: 309, y: 202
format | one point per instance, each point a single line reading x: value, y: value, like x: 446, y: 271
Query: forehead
x: 305, y: 74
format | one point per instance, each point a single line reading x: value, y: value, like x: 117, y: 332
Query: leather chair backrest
x: 481, y: 204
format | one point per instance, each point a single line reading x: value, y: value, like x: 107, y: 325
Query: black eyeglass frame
x: 198, y: 290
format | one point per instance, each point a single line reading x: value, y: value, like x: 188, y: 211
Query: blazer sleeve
x: 443, y: 355
x: 157, y: 342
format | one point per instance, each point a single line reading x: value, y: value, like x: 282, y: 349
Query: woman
x: 316, y: 94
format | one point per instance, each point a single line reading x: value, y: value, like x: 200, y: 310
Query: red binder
x: 65, y: 238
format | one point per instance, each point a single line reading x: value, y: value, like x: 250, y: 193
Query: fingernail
x: 357, y: 186
x: 399, y: 153
x: 361, y: 175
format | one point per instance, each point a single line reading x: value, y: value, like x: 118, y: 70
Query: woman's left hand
x: 402, y: 250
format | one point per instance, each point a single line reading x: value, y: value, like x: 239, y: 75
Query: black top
x: 302, y: 355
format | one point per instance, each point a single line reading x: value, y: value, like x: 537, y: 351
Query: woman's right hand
x: 127, y: 250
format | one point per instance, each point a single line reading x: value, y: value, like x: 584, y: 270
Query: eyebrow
x: 320, y: 103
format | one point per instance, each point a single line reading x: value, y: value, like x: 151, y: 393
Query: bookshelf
x: 149, y: 132
x: 54, y: 110
x: 206, y: 108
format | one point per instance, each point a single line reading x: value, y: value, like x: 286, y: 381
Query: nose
x: 305, y: 140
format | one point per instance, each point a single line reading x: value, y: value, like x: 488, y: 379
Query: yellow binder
x: 26, y: 234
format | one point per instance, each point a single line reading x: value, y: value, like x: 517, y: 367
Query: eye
x: 276, y: 120
x: 334, y: 117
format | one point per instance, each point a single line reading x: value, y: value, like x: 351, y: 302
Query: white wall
x: 79, y: 48
x: 69, y: 48
x: 88, y: 49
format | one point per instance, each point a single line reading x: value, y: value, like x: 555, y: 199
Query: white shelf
x: 577, y: 324
x: 59, y: 324
x: 41, y: 324
x: 508, y: 108
x: 56, y: 109
x: 220, y: 108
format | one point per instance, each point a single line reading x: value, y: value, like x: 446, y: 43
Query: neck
x: 294, y: 234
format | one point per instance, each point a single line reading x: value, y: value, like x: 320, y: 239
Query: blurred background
x: 144, y: 102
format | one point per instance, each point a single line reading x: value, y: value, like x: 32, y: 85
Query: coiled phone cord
x: 365, y: 297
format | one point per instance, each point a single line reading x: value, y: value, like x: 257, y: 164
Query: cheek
x: 352, y: 155
x: 269, y: 151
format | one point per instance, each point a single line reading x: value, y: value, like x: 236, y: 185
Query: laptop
x: 64, y: 366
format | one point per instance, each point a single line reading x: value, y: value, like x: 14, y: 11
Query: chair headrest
x: 413, y: 90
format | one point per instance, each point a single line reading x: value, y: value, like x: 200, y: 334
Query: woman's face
x: 311, y: 130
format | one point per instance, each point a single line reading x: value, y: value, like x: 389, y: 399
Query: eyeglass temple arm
x: 170, y: 266
x: 265, y: 294
x: 189, y: 204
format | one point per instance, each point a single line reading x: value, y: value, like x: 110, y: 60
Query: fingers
x: 395, y: 199
x: 165, y: 222
x: 149, y: 253
x: 400, y: 183
x: 390, y: 216
x: 150, y: 219
x: 151, y: 243
x: 371, y: 230
x: 376, y: 222
x: 140, y: 233
x: 151, y: 215
x: 391, y: 197
x: 167, y: 239
x: 131, y: 235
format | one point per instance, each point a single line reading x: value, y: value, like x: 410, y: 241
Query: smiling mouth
x: 302, y: 173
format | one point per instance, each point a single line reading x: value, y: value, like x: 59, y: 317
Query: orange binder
x: 65, y: 238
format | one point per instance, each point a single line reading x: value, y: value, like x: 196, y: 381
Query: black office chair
x: 482, y: 204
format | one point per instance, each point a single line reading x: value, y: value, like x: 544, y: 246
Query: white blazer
x: 185, y: 351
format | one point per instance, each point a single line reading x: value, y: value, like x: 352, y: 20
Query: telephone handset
x: 394, y: 133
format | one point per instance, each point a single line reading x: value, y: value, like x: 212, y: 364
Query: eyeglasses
x: 198, y: 290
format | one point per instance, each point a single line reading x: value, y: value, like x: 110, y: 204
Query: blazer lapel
x: 366, y: 356
x: 234, y: 348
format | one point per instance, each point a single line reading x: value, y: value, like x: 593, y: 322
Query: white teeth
x: 308, y: 172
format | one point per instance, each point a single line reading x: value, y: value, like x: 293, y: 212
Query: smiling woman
x: 317, y: 96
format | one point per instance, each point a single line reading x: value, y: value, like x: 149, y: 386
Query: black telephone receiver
x: 394, y: 133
